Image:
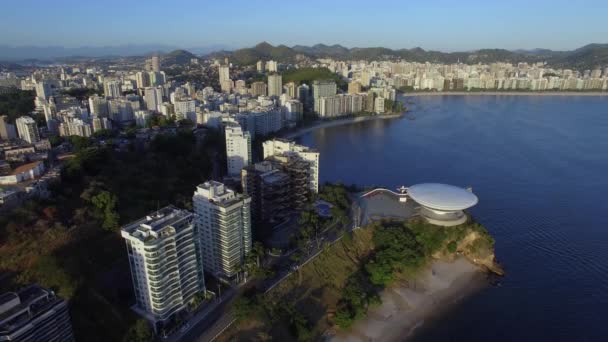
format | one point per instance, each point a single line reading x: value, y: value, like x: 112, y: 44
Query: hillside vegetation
x: 587, y: 57
x: 308, y: 75
x: 344, y: 281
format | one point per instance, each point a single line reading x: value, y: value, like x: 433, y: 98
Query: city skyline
x: 436, y: 26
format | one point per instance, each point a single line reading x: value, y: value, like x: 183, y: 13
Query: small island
x: 403, y: 261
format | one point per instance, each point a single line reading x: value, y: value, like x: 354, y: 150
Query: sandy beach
x: 507, y: 93
x: 324, y: 124
x: 406, y: 308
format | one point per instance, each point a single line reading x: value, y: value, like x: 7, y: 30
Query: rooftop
x: 150, y: 226
x: 442, y: 196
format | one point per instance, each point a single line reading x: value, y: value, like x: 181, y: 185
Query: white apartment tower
x: 272, y: 66
x: 278, y: 147
x: 238, y: 149
x: 223, y: 220
x: 153, y: 97
x: 275, y: 85
x: 224, y: 72
x: 27, y: 129
x: 166, y: 262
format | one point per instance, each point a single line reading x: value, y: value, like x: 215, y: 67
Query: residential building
x: 238, y: 149
x: 223, y: 220
x: 166, y: 262
x: 258, y: 89
x: 272, y: 66
x: 322, y: 89
x: 34, y: 314
x: 7, y: 130
x: 185, y: 109
x: 155, y: 63
x: 260, y: 66
x: 112, y: 88
x: 354, y: 87
x: 281, y: 147
x: 27, y: 129
x: 224, y: 72
x: 98, y: 106
x: 153, y: 98
x: 275, y: 85
x: 270, y: 191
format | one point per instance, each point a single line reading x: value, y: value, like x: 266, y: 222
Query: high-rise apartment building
x: 223, y: 220
x: 155, y: 63
x: 224, y: 72
x: 322, y: 89
x: 272, y: 66
x: 153, y: 97
x: 275, y: 85
x: 354, y: 87
x: 258, y: 89
x: 270, y: 190
x: 260, y: 66
x: 185, y: 109
x: 7, y: 130
x: 238, y: 149
x: 281, y: 147
x: 27, y: 129
x: 166, y: 262
x: 34, y: 314
x: 112, y: 88
x: 142, y: 78
x: 291, y: 90
x: 98, y: 106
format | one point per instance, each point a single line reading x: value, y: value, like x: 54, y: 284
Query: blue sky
x: 440, y: 25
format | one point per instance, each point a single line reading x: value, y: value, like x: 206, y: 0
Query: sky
x: 437, y: 25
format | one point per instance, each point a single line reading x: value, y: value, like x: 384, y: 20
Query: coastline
x: 506, y: 93
x: 339, y: 122
x: 405, y: 308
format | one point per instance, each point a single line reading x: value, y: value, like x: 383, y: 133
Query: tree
x: 139, y: 332
x: 106, y: 203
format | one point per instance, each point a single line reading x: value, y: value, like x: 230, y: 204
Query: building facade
x: 223, y: 220
x: 34, y: 314
x: 238, y: 149
x: 166, y: 262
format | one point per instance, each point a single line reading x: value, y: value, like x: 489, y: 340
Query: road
x: 202, y: 322
x: 210, y: 323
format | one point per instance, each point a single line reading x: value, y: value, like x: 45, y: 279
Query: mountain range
x: 586, y: 57
x: 17, y: 53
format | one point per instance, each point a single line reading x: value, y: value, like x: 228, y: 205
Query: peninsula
x: 405, y: 262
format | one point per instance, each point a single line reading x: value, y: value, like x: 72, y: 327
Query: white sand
x: 405, y: 308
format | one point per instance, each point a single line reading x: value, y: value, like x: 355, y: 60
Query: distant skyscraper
x: 224, y: 72
x: 112, y: 89
x: 155, y: 63
x: 27, y: 129
x: 260, y: 66
x: 34, y: 314
x: 142, y: 78
x: 153, y: 97
x: 7, y: 130
x: 238, y: 149
x: 166, y: 262
x: 291, y: 90
x: 98, y: 106
x: 322, y: 89
x: 223, y: 220
x: 185, y: 109
x: 354, y: 87
x: 272, y: 66
x: 275, y: 85
x: 258, y: 89
x: 43, y: 90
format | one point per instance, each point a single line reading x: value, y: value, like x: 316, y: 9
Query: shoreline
x: 338, y: 122
x: 405, y: 309
x: 506, y: 93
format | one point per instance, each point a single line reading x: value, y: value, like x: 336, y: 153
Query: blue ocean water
x: 539, y: 165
